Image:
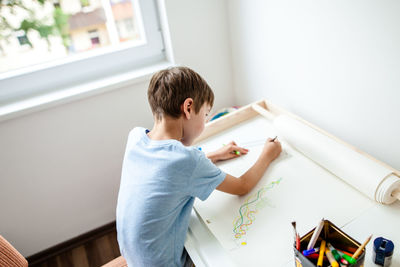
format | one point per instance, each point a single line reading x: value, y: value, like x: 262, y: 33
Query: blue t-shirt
x: 160, y: 180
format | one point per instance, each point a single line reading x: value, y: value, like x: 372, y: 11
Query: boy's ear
x: 187, y: 107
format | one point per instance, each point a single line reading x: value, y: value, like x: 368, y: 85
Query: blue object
x: 219, y: 115
x: 383, y: 251
x: 310, y: 251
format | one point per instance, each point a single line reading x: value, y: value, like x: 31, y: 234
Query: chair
x: 9, y: 256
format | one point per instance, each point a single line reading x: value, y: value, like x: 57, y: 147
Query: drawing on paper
x: 248, y: 210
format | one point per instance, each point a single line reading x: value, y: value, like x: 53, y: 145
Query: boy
x: 162, y: 174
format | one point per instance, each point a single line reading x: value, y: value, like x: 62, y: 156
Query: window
x: 73, y: 42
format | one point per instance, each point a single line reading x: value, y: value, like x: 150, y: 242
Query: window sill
x: 96, y: 87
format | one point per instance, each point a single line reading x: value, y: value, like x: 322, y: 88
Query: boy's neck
x: 167, y: 128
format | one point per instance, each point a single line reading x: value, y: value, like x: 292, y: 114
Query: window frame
x: 75, y: 70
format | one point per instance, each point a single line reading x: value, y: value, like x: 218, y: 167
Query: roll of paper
x: 364, y: 174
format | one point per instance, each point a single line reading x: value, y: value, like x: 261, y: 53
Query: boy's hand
x: 272, y: 149
x: 228, y: 151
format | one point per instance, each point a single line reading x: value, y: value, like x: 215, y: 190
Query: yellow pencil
x: 359, y: 250
x: 321, y: 253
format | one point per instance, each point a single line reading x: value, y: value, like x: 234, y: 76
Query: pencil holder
x: 332, y: 234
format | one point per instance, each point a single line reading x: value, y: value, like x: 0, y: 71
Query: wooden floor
x: 94, y: 253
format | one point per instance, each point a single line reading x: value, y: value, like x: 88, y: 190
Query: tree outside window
x: 55, y: 29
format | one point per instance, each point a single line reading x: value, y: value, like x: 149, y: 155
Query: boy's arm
x: 246, y: 182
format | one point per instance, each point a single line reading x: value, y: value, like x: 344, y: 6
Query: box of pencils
x: 329, y: 246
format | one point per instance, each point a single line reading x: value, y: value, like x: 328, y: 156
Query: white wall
x: 60, y: 167
x: 200, y: 38
x: 335, y: 63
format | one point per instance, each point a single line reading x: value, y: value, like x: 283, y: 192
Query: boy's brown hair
x: 169, y: 88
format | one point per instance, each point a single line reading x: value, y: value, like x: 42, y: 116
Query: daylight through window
x: 34, y: 32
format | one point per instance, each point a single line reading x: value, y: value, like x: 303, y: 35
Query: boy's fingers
x: 239, y: 147
x: 270, y: 140
x: 244, y: 149
x: 241, y: 150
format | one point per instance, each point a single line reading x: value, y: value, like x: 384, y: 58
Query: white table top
x: 357, y: 215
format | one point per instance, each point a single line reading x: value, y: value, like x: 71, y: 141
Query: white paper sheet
x: 294, y: 188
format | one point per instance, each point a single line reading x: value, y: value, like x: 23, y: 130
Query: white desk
x: 357, y: 215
